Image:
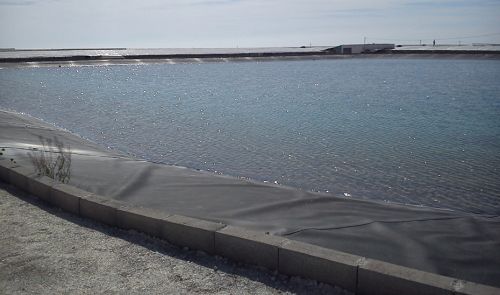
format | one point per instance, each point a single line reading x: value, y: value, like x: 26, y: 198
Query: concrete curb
x: 248, y: 246
x: 351, y: 272
x: 329, y: 266
x: 140, y: 219
x: 66, y: 197
x: 191, y: 232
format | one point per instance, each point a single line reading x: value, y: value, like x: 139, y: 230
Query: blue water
x: 423, y: 132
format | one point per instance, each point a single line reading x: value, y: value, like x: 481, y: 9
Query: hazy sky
x: 243, y: 23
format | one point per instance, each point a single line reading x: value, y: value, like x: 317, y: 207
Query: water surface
x: 422, y: 132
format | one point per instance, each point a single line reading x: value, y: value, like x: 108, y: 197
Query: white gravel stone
x: 47, y: 251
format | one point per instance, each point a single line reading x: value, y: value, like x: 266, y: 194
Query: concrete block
x: 5, y: 166
x: 191, y: 232
x: 40, y: 187
x: 141, y: 219
x: 99, y: 209
x: 377, y: 277
x: 248, y: 246
x: 67, y: 197
x: 325, y: 265
x: 469, y: 288
x: 19, y: 175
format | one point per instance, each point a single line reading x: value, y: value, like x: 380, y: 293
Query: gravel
x: 46, y: 251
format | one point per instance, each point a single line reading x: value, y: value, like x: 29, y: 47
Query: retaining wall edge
x: 354, y: 273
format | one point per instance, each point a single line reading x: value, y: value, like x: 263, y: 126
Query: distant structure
x: 360, y: 48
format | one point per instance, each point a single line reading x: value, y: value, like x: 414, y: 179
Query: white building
x: 361, y: 48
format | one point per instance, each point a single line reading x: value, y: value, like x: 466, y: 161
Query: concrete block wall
x: 140, y: 219
x: 191, y: 232
x: 248, y: 246
x: 18, y: 176
x: 99, y: 208
x: 354, y: 273
x: 41, y: 187
x: 329, y: 266
x: 66, y: 197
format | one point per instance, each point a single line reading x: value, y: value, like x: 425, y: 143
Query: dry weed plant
x: 53, y: 159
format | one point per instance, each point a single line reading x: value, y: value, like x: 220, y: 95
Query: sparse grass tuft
x: 53, y: 159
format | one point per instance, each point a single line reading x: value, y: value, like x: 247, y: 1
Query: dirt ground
x: 47, y: 251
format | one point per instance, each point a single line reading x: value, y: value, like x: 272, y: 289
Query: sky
x: 243, y: 23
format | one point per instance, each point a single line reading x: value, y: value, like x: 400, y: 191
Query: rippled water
x: 423, y: 132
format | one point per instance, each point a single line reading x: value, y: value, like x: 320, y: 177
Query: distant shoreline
x: 104, y: 61
x: 52, y: 57
x: 100, y: 54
